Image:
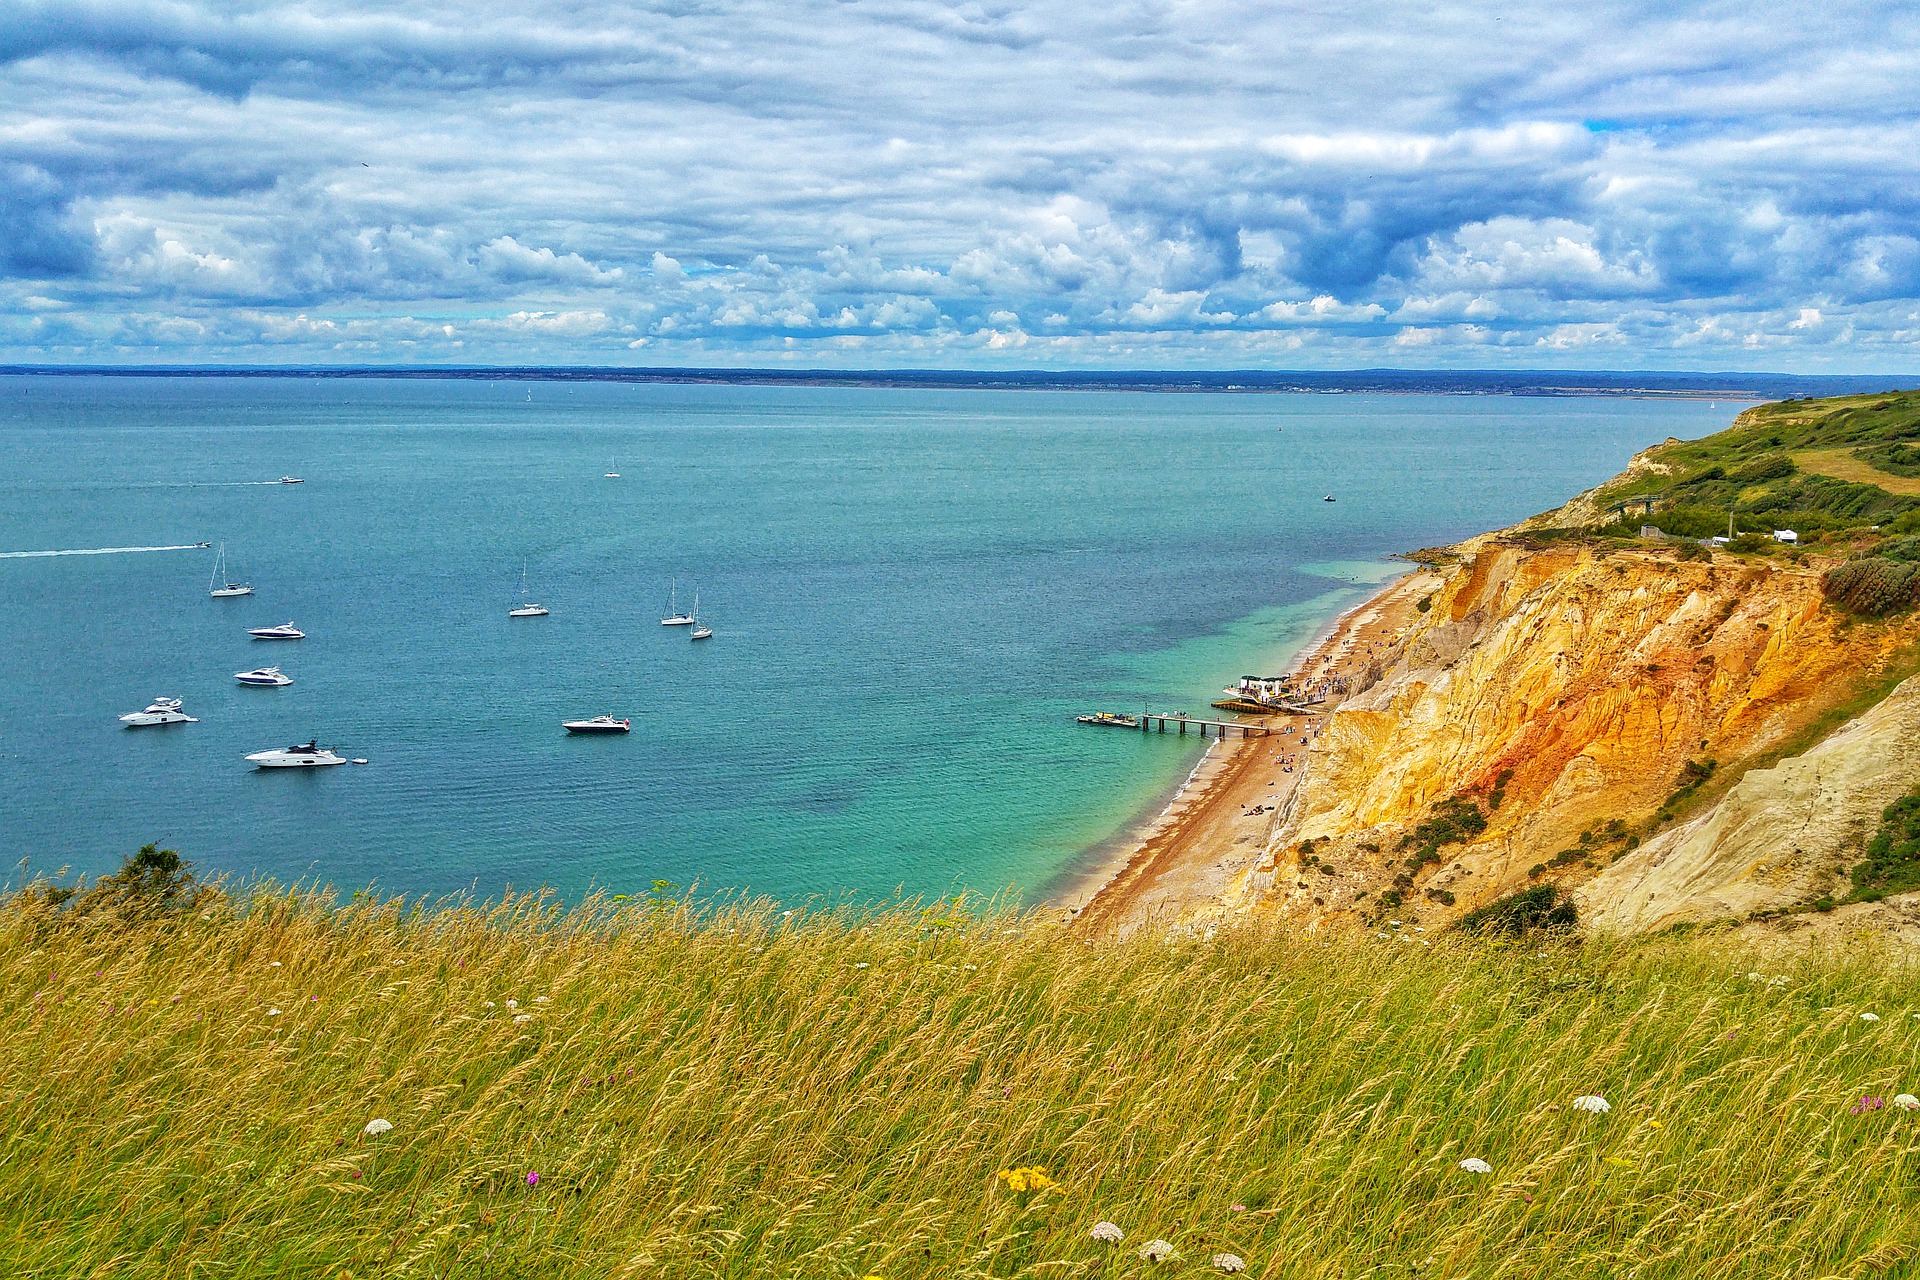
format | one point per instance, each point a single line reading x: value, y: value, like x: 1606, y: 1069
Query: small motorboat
x: 1328, y: 498
x: 159, y: 711
x: 285, y: 631
x: 599, y: 724
x: 292, y: 480
x: 265, y: 677
x: 308, y: 755
x: 1110, y: 718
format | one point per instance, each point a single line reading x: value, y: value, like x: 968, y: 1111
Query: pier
x: 1219, y: 726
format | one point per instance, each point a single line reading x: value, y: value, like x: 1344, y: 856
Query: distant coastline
x: 1647, y: 384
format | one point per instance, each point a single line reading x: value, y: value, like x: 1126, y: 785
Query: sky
x: 908, y: 183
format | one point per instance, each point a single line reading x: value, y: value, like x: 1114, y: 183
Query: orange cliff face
x: 1577, y: 680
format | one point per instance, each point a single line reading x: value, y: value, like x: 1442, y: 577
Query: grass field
x: 1842, y: 465
x: 628, y: 1089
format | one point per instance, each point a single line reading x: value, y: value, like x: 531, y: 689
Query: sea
x: 913, y: 592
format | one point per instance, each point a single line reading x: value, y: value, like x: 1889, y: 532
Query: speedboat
x: 599, y: 724
x: 159, y: 711
x: 292, y: 480
x: 265, y: 677
x: 285, y: 631
x: 308, y: 755
x: 1328, y: 498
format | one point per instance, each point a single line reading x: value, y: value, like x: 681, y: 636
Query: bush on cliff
x: 1873, y: 585
x: 1892, y: 864
x: 728, y: 1091
x: 1520, y: 913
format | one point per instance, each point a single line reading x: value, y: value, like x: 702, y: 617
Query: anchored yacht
x: 527, y: 608
x: 285, y: 631
x: 265, y: 677
x: 308, y: 755
x: 674, y: 617
x: 599, y: 724
x: 219, y: 587
x: 159, y: 711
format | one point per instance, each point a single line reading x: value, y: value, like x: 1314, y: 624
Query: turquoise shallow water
x: 914, y: 592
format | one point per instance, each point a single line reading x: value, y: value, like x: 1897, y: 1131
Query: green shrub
x: 1873, y: 585
x: 1541, y: 907
x: 1892, y: 864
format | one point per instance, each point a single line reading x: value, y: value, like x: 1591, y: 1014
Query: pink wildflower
x: 533, y: 1179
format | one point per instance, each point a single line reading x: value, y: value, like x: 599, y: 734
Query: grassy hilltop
x: 647, y: 1089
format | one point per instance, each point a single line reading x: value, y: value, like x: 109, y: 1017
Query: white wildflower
x: 1869, y: 1017
x: 513, y: 1004
x: 523, y: 1017
x: 273, y: 1013
x: 1906, y: 1102
x: 1107, y: 1232
x: 489, y: 1004
x: 273, y: 964
x: 971, y: 967
x: 785, y: 914
x: 1157, y: 1251
x: 1756, y: 977
x: 1229, y: 1262
x: 376, y: 1127
x: 541, y: 1000
x: 1592, y: 1102
x: 1474, y: 1164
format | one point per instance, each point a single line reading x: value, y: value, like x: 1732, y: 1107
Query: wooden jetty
x: 1219, y: 726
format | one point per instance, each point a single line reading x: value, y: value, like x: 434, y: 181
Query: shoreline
x: 1220, y: 819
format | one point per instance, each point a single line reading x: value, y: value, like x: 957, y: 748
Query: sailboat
x: 218, y: 587
x: 700, y: 631
x: 613, y: 472
x: 526, y: 608
x: 674, y: 617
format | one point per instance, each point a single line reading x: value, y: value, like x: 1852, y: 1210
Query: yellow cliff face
x: 1579, y: 681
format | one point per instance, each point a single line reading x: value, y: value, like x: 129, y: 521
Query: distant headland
x: 1480, y: 382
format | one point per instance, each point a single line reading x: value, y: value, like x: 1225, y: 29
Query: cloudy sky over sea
x: 906, y: 182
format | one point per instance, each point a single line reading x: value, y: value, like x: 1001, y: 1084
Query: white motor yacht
x: 219, y: 588
x: 308, y: 755
x: 285, y: 631
x: 599, y: 724
x: 265, y: 677
x: 292, y: 480
x: 159, y: 711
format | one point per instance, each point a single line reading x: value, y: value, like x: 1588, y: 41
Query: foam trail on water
x: 98, y: 551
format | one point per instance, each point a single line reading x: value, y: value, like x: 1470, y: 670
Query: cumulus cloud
x: 919, y: 180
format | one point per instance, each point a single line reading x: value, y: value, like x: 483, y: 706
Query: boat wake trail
x: 98, y: 551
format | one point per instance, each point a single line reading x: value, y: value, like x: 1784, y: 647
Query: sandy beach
x: 1220, y: 822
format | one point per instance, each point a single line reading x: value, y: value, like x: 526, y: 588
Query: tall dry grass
x: 734, y: 1092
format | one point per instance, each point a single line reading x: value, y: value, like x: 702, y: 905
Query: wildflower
x: 1906, y: 1102
x: 513, y: 1004
x: 533, y: 1178
x: 489, y: 1004
x: 541, y: 1000
x: 1239, y: 1208
x: 523, y: 1017
x: 1107, y: 1233
x: 1868, y: 1103
x: 1028, y: 1178
x: 1474, y: 1164
x: 273, y: 964
x: 376, y: 1127
x: 1655, y: 1124
x: 1619, y: 1163
x: 356, y: 1173
x: 861, y: 965
x: 1592, y: 1102
x: 273, y: 1013
x: 1869, y: 1017
x: 1229, y: 1262
x: 1157, y: 1251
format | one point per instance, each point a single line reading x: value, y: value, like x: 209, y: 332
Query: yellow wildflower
x: 1028, y: 1178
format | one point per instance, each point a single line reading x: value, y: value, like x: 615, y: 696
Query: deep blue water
x: 913, y: 593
